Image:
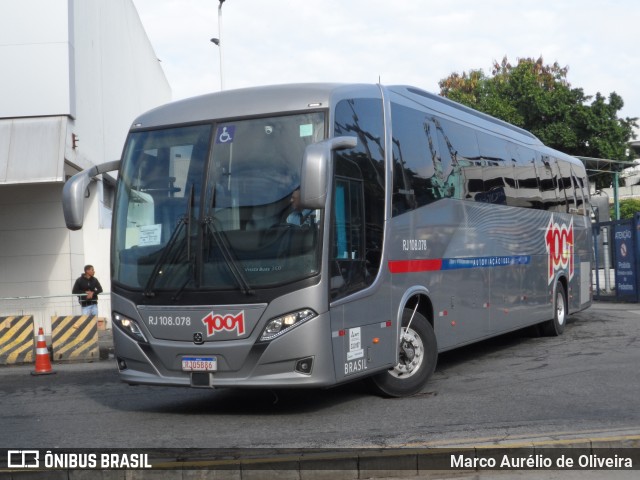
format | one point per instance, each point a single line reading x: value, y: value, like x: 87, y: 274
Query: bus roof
x: 249, y: 101
x: 272, y: 99
x: 444, y: 105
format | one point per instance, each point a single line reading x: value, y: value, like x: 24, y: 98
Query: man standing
x: 88, y: 287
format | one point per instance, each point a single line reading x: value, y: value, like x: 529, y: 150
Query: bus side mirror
x: 73, y: 193
x: 316, y: 168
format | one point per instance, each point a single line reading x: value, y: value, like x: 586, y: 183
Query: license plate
x: 199, y: 364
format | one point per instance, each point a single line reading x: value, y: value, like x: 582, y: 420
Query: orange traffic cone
x: 43, y: 364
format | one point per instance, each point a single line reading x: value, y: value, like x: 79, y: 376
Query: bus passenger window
x: 547, y: 182
x: 528, y: 188
x: 460, y: 159
x: 567, y: 191
x: 413, y: 164
x: 581, y: 196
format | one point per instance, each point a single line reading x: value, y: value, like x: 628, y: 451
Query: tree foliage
x: 628, y: 208
x: 539, y: 98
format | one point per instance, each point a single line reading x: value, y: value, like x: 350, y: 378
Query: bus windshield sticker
x: 149, y: 235
x: 306, y: 130
x: 225, y: 134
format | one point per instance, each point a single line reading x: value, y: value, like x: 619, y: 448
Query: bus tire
x: 555, y: 326
x: 418, y: 355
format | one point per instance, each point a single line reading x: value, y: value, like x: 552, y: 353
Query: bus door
x: 362, y: 331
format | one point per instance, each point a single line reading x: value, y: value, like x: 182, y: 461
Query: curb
x: 406, y: 461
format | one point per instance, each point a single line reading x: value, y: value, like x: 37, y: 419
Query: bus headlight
x: 280, y: 325
x: 130, y: 327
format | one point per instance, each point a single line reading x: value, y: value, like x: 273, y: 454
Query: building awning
x: 32, y: 149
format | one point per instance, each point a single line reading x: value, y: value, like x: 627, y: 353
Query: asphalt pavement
x: 601, y: 453
x: 596, y: 443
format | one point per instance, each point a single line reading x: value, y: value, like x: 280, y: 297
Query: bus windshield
x: 214, y: 206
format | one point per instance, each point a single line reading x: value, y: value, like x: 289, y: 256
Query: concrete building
x: 75, y: 75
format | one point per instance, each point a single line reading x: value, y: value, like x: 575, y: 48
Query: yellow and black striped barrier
x: 74, y: 338
x: 16, y: 339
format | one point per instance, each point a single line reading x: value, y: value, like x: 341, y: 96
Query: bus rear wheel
x: 555, y: 326
x: 417, y: 358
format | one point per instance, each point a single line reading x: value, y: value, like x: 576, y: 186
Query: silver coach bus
x: 308, y: 235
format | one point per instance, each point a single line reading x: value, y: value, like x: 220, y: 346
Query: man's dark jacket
x: 82, y: 285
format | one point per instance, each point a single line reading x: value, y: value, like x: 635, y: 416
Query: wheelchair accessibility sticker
x: 225, y: 134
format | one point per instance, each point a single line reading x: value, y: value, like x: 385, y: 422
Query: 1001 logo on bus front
x: 559, y: 242
x: 227, y: 322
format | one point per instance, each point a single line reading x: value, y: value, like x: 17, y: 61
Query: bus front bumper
x: 302, y: 357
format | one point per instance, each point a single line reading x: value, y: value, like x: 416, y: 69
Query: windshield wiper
x: 191, y: 259
x: 183, y: 223
x: 227, y: 255
x: 157, y: 268
x: 189, y: 279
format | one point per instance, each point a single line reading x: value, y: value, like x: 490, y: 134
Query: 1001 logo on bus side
x: 559, y: 242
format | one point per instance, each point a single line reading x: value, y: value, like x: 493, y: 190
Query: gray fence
x: 44, y: 308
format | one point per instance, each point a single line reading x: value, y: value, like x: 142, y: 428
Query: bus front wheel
x: 417, y: 357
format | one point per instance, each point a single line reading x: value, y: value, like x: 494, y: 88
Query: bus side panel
x: 580, y: 293
x: 419, y: 244
x: 364, y: 331
x: 517, y: 261
x: 488, y: 268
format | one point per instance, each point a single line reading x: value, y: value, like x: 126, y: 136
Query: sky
x: 410, y: 42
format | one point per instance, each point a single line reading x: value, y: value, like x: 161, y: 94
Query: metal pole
x: 616, y: 201
x: 607, y: 259
x: 595, y: 233
x: 220, y: 42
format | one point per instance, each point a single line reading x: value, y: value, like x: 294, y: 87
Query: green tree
x: 628, y: 208
x: 539, y: 98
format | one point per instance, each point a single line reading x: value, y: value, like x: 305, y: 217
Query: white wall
x: 86, y: 68
x: 32, y: 149
x: 40, y: 258
x: 117, y: 77
x: 34, y: 54
x: 35, y: 258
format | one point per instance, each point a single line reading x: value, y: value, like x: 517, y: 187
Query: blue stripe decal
x: 481, y: 262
